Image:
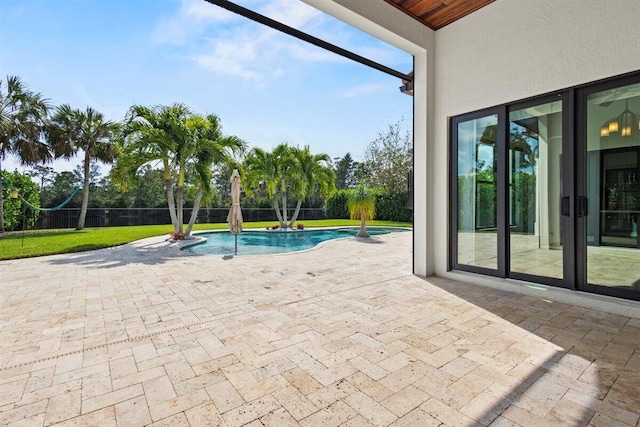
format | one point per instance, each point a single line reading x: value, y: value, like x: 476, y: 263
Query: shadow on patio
x: 580, y: 366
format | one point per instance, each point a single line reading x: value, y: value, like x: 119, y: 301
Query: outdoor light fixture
x: 407, y: 85
x: 625, y: 123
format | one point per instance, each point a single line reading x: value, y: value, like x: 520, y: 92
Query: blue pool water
x: 274, y: 242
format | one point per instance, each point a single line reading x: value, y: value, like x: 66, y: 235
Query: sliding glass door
x: 508, y: 189
x: 476, y: 183
x: 535, y: 186
x: 547, y: 190
x: 609, y: 202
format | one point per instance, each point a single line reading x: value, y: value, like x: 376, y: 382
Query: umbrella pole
x: 236, y: 251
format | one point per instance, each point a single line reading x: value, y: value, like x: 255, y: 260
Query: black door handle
x: 583, y: 206
x: 565, y: 206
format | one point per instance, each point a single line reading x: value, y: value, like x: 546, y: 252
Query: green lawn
x: 49, y: 242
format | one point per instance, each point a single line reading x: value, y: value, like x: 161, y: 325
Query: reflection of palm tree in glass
x: 525, y: 143
x: 486, y: 191
x: 522, y: 141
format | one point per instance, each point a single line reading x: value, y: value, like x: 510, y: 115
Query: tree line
x: 171, y: 156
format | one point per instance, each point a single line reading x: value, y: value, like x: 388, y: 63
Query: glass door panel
x: 535, y: 190
x: 477, y: 241
x: 611, y: 206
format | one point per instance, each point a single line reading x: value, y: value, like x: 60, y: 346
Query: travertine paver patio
x: 340, y: 335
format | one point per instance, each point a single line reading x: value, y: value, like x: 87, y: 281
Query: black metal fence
x: 114, y: 217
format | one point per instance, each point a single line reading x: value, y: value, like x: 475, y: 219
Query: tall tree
x: 44, y: 174
x: 345, y: 169
x: 61, y: 186
x: 314, y: 176
x: 148, y: 191
x: 23, y: 115
x: 388, y: 159
x: 94, y: 174
x: 73, y: 130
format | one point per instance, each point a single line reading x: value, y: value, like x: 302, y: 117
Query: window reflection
x: 535, y: 154
x: 477, y: 192
x: 613, y: 187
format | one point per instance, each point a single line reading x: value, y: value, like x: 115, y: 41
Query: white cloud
x: 293, y: 13
x: 363, y: 89
x: 193, y: 17
x: 243, y: 54
x: 230, y: 58
x: 229, y: 45
x: 201, y: 10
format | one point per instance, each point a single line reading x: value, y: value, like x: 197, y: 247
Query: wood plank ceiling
x: 435, y: 14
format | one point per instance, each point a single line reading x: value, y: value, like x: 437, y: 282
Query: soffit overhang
x: 436, y: 14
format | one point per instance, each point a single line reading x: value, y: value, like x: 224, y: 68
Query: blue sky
x: 266, y: 87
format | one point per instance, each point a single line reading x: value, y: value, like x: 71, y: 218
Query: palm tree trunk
x: 284, y: 211
x: 180, y: 199
x: 85, y: 191
x: 363, y: 228
x: 295, y: 214
x: 179, y: 207
x: 194, y: 212
x: 170, y: 199
x: 2, y: 230
x: 277, y: 209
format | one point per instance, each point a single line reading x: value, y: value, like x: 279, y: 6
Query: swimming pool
x: 275, y: 242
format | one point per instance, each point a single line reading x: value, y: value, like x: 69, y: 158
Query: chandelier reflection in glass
x: 627, y: 123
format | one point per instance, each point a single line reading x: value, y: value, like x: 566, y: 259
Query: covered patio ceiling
x: 435, y: 14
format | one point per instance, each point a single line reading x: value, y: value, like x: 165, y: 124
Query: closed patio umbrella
x: 234, y: 219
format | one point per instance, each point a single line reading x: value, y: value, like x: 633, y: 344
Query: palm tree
x: 72, y: 130
x: 150, y: 135
x: 180, y: 140
x: 361, y: 202
x: 23, y: 115
x: 272, y: 170
x: 209, y: 147
x: 314, y: 175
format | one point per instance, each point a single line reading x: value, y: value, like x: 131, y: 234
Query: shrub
x: 389, y: 207
x: 14, y: 209
x: 393, y: 207
x: 336, y: 206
